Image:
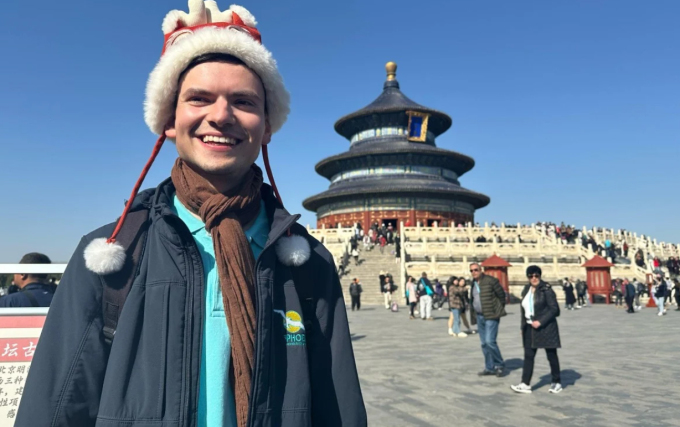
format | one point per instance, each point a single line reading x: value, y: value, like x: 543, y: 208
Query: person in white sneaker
x: 659, y: 294
x: 539, y: 329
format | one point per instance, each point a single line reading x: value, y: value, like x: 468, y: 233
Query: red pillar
x: 366, y: 221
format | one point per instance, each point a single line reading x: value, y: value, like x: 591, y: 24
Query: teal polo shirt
x: 216, y: 407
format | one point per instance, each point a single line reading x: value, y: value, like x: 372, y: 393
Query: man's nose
x: 221, y: 113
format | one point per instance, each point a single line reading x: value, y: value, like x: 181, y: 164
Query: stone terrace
x: 618, y: 369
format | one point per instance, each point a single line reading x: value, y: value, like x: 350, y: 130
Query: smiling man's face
x: 220, y: 121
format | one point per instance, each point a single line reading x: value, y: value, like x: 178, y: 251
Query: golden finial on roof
x: 391, y: 68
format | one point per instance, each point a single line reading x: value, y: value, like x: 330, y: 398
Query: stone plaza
x: 618, y: 369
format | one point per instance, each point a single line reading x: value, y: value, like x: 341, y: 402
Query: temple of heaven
x: 393, y: 171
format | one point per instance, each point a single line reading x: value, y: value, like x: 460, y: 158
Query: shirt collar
x: 257, y: 233
x: 192, y: 222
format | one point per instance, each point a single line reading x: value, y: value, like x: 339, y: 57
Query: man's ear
x: 170, y: 131
x: 267, y: 137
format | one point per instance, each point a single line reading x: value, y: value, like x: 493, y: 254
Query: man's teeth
x: 219, y: 139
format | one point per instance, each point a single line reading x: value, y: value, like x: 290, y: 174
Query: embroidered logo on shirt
x: 292, y: 321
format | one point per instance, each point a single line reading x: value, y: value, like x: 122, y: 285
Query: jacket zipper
x: 191, y: 251
x: 258, y: 333
x: 532, y: 326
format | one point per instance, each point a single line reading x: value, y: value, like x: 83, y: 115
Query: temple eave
x: 457, y: 162
x: 477, y: 200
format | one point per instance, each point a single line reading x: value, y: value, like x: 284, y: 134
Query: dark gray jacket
x: 491, y: 296
x: 150, y: 378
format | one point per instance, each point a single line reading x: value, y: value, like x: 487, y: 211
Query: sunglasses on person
x: 532, y: 276
x: 472, y: 270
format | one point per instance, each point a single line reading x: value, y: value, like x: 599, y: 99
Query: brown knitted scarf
x: 224, y: 216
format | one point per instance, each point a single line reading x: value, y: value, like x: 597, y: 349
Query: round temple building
x: 393, y: 171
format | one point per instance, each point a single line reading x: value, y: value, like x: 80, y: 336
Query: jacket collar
x: 159, y: 200
x: 541, y: 286
x: 34, y: 285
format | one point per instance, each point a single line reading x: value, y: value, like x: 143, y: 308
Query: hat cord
x: 135, y: 190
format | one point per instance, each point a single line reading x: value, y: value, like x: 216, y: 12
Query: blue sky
x: 570, y: 108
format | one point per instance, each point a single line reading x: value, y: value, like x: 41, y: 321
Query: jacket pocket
x: 143, y: 379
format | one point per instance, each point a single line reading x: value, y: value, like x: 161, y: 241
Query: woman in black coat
x: 539, y: 329
x: 569, y: 298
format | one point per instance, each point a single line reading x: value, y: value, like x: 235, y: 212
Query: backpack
x: 132, y: 236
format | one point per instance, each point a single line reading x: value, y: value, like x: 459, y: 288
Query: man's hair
x: 475, y: 263
x: 210, y: 57
x: 424, y: 274
x: 36, y: 258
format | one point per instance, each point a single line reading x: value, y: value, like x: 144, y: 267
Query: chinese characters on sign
x: 18, y: 340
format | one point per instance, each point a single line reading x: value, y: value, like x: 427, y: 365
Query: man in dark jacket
x: 488, y: 302
x: 35, y: 289
x: 630, y: 296
x: 355, y: 293
x: 235, y: 316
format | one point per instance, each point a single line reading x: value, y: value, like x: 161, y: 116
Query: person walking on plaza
x: 411, y: 295
x: 355, y: 291
x: 659, y: 294
x: 539, y: 329
x: 488, y: 303
x: 233, y: 314
x: 617, y: 290
x: 35, y: 289
x: 630, y: 292
x: 580, y: 293
x: 676, y: 287
x: 425, y: 293
x: 387, y: 292
x: 466, y: 308
x: 355, y: 255
x: 569, y: 297
x: 456, y: 304
x: 439, y: 297
x: 640, y: 290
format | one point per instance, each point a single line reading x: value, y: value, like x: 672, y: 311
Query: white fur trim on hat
x: 162, y: 86
x: 104, y: 258
x: 293, y: 251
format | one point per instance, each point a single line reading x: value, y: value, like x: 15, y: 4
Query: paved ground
x: 617, y: 370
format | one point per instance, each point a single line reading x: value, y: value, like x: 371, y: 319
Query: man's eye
x: 245, y: 102
x: 198, y: 99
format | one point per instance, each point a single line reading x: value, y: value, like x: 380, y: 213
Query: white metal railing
x: 32, y: 268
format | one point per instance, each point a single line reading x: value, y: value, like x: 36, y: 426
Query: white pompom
x: 293, y: 251
x: 104, y: 258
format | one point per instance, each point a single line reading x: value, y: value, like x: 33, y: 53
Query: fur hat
x: 205, y: 29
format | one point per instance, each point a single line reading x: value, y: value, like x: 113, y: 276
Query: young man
x: 35, y: 289
x: 488, y: 302
x: 235, y: 316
